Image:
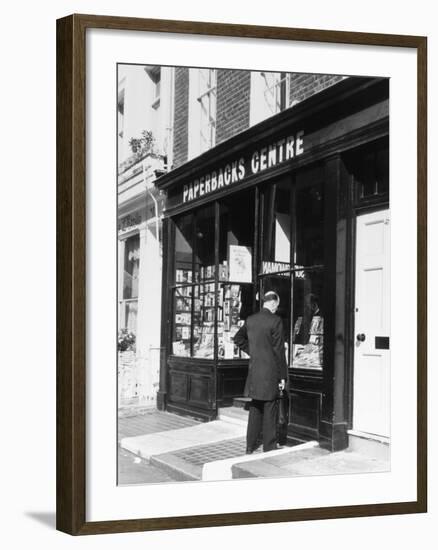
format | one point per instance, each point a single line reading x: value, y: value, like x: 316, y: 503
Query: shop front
x: 281, y: 207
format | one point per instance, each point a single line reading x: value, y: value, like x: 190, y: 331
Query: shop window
x: 204, y: 244
x: 372, y: 175
x: 209, y: 307
x: 235, y: 302
x: 207, y: 103
x: 131, y: 267
x: 281, y: 284
x: 369, y: 166
x: 308, y: 319
x: 292, y: 261
x: 182, y: 325
x: 236, y: 237
x: 184, y: 249
x: 276, y: 226
x: 309, y: 208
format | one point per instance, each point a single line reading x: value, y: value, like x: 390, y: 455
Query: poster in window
x: 240, y: 264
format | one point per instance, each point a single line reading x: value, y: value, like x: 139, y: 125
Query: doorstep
x: 370, y: 445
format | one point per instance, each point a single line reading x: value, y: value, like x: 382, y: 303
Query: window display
x: 181, y: 341
x: 308, y: 327
x: 207, y: 312
x: 234, y: 303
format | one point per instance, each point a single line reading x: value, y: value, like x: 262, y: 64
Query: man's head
x: 271, y: 301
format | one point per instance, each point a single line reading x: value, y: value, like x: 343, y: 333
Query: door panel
x: 371, y: 410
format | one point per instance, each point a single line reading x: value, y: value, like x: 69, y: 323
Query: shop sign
x: 275, y: 267
x: 237, y: 170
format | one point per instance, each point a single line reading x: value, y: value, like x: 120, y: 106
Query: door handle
x: 360, y: 337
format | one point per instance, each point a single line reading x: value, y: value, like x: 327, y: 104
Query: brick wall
x: 180, y: 129
x: 233, y: 90
x: 303, y: 86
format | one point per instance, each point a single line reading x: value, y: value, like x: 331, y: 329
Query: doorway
x: 371, y: 397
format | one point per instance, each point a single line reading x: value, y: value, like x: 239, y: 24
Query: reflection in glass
x: 236, y: 230
x: 204, y: 244
x: 308, y: 320
x: 309, y: 206
x: 183, y: 249
x: 277, y: 222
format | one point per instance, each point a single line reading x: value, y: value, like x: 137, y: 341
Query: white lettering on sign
x: 274, y: 267
x: 263, y: 159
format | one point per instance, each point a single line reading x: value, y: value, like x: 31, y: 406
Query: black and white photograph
x: 253, y: 275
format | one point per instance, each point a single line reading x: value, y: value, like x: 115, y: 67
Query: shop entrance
x: 371, y: 406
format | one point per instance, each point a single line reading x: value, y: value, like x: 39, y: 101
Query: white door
x: 371, y: 405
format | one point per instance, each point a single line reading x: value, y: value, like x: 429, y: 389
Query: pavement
x: 157, y: 447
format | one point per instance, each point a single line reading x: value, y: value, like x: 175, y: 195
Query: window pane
x: 277, y: 223
x: 236, y: 237
x: 204, y: 244
x: 184, y: 249
x: 182, y: 321
x: 309, y: 207
x: 382, y: 168
x: 131, y: 267
x: 203, y: 323
x: 234, y: 306
x: 367, y: 180
x: 370, y: 168
x: 308, y: 320
x: 131, y: 308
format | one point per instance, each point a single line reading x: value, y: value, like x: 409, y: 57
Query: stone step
x: 241, y: 402
x: 235, y: 415
x: 369, y: 445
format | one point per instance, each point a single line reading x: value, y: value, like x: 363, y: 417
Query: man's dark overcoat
x: 262, y: 338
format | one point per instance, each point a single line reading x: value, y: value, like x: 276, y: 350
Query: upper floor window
x: 207, y: 102
x: 277, y: 91
x: 154, y: 72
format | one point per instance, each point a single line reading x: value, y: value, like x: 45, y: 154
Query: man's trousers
x: 262, y: 416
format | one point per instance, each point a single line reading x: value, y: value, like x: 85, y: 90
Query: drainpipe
x: 154, y: 201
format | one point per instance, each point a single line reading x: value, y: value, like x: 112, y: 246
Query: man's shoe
x: 249, y: 451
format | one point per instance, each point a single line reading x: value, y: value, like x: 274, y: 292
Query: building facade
x: 144, y: 132
x: 297, y: 202
x: 267, y: 181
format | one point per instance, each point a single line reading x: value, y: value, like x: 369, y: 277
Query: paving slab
x: 151, y: 422
x: 310, y: 462
x: 149, y: 445
x: 221, y: 470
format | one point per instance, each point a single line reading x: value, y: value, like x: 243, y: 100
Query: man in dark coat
x: 262, y: 338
